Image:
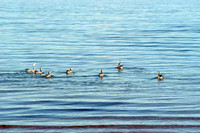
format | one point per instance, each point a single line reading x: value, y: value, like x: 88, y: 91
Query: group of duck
x: 69, y: 72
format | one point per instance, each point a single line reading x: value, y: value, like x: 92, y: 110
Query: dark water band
x: 102, y: 126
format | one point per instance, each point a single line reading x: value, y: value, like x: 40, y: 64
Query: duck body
x: 48, y: 75
x: 119, y: 66
x: 31, y: 70
x: 69, y: 71
x: 39, y: 72
x: 101, y: 74
x: 160, y: 77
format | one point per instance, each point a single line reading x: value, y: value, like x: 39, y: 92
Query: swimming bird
x: 48, y: 75
x: 160, y: 77
x: 69, y: 71
x: 39, y: 72
x: 101, y: 74
x: 119, y: 66
x: 31, y: 70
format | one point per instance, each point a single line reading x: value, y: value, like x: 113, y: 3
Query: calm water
x: 90, y: 35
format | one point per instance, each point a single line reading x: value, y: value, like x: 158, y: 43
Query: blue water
x: 90, y: 35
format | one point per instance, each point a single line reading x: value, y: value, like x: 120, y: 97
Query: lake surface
x: 90, y: 35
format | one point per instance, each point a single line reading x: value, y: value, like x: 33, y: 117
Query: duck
x: 160, y: 77
x: 31, y: 70
x: 69, y: 71
x: 119, y: 66
x: 48, y: 75
x: 39, y: 72
x: 101, y: 74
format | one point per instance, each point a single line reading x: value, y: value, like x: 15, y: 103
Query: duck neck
x: 118, y: 64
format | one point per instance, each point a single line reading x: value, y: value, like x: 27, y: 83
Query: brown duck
x: 31, y: 70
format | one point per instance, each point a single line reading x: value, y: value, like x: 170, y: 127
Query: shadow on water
x: 137, y: 69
